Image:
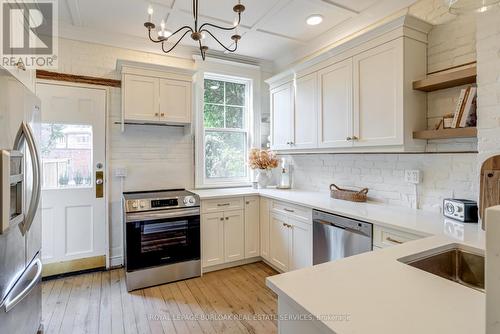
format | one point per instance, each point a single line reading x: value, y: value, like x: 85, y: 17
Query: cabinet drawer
x: 292, y: 210
x: 222, y: 204
x: 386, y: 237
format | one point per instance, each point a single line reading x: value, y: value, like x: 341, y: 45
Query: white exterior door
x: 282, y: 116
x: 378, y: 96
x: 306, y: 111
x: 335, y: 105
x: 73, y: 165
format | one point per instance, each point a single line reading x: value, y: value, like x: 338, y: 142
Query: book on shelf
x: 469, y: 107
x: 458, y: 107
x: 459, y: 113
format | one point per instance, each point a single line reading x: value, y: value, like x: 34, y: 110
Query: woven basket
x: 348, y: 195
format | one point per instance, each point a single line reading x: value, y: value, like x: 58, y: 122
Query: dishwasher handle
x: 351, y: 225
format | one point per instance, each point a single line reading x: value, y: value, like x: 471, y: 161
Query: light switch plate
x: 413, y: 176
x: 120, y: 172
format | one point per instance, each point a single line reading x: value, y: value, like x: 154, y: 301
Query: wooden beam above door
x: 48, y: 75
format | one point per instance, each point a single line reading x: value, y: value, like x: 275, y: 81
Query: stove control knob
x: 189, y: 201
x: 135, y: 205
x: 143, y: 204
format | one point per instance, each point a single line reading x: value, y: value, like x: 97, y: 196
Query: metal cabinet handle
x: 393, y: 240
x: 162, y: 114
x: 247, y: 202
x: 157, y: 114
x: 354, y: 138
x: 288, y: 210
x: 227, y: 218
x: 25, y: 134
x: 223, y: 204
x: 221, y: 218
x: 348, y: 138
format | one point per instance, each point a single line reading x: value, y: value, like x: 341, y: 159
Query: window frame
x: 202, y: 180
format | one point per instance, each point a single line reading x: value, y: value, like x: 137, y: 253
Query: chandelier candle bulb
x: 150, y: 13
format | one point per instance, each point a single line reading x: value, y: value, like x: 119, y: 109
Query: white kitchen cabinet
x: 300, y: 244
x: 175, y: 101
x: 386, y: 237
x: 282, y: 110
x: 335, y: 125
x: 378, y: 96
x: 140, y: 98
x: 279, y: 245
x: 252, y: 234
x: 305, y: 112
x: 234, y: 236
x: 155, y: 94
x: 212, y: 235
x: 264, y: 213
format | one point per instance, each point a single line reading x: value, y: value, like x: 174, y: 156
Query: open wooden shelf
x: 470, y: 132
x: 446, y: 80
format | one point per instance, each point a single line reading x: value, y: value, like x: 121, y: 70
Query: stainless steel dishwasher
x: 336, y: 237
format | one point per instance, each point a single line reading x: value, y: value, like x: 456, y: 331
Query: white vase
x: 263, y: 177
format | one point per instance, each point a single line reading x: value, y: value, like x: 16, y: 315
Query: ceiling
x: 269, y: 28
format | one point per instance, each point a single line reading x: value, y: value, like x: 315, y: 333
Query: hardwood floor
x: 233, y: 300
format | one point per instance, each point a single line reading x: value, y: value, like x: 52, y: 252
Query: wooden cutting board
x: 490, y: 184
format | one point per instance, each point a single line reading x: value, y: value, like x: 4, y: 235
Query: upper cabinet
x: 155, y: 94
x: 357, y: 97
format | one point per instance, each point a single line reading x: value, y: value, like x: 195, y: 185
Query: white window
x: 226, y: 134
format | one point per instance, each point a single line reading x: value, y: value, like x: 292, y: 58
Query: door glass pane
x: 66, y: 156
x: 225, y: 154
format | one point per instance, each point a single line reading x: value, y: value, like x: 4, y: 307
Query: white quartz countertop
x: 379, y: 293
x: 419, y: 222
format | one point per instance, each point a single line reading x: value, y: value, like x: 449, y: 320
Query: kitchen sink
x: 455, y: 263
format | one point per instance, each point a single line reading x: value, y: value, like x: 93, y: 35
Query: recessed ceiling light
x: 314, y: 20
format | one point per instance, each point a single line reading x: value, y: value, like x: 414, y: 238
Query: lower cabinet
x: 264, y: 213
x: 223, y: 237
x: 290, y: 245
x: 252, y: 236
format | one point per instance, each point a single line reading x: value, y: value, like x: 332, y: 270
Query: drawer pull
x: 288, y: 210
x: 222, y: 218
x: 223, y: 204
x: 393, y: 240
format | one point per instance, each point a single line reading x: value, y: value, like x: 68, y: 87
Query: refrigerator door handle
x: 25, y: 134
x: 33, y: 273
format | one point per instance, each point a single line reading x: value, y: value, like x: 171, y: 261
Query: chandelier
x: 198, y: 32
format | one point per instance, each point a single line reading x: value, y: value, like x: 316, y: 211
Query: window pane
x: 225, y: 154
x: 234, y: 117
x: 214, y: 91
x: 235, y: 94
x: 214, y: 116
x: 66, y: 155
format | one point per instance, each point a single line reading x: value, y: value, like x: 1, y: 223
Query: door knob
x: 99, y: 181
x: 354, y: 138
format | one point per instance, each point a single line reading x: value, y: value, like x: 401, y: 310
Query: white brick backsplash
x: 444, y: 175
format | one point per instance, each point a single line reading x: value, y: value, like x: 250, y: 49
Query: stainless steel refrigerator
x: 20, y: 228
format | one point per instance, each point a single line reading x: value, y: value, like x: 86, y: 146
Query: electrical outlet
x: 120, y: 172
x: 413, y: 176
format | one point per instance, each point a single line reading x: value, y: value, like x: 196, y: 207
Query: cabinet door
x: 212, y: 234
x: 300, y: 244
x: 175, y: 101
x: 378, y: 95
x: 282, y: 116
x: 305, y: 115
x: 264, y: 227
x: 335, y: 105
x: 140, y: 98
x: 279, y: 241
x: 252, y: 227
x: 234, y: 236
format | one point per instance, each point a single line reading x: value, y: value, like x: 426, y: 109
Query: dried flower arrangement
x: 262, y: 159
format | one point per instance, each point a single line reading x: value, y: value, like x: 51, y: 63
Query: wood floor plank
x: 105, y: 305
x: 117, y: 321
x: 99, y: 303
x: 60, y: 307
x: 128, y: 309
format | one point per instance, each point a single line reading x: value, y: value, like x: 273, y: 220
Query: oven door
x: 162, y: 237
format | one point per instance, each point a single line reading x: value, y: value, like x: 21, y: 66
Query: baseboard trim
x: 272, y: 265
x: 230, y: 264
x: 79, y: 265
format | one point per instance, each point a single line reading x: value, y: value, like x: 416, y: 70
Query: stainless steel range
x: 162, y: 237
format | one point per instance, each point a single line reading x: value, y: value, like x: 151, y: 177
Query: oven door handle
x: 155, y: 215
